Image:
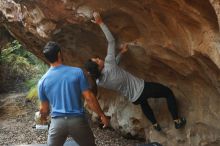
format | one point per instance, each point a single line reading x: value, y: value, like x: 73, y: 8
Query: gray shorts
x: 75, y: 127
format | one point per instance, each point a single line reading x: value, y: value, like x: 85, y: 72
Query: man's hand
x: 123, y: 48
x: 43, y: 119
x: 94, y: 105
x: 97, y: 17
x: 105, y: 120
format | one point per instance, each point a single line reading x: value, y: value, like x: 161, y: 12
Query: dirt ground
x: 17, y: 119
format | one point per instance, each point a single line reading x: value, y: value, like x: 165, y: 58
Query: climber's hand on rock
x: 97, y: 17
x: 123, y: 48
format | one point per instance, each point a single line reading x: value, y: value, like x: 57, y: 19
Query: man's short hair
x: 51, y: 50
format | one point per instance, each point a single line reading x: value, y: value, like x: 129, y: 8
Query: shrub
x: 19, y: 66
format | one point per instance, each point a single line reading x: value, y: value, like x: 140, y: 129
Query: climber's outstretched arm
x: 108, y: 35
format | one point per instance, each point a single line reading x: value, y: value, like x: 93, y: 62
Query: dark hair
x: 92, y: 68
x: 51, y: 50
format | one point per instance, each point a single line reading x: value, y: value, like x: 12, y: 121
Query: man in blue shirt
x: 59, y: 91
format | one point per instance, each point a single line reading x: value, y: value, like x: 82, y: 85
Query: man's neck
x: 55, y: 64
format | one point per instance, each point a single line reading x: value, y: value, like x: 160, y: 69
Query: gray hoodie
x: 115, y: 78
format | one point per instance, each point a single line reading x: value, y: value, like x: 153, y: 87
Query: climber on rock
x: 109, y: 75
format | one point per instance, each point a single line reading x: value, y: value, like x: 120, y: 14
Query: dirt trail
x: 17, y: 119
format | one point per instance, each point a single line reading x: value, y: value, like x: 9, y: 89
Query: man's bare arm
x: 94, y: 106
x: 44, y: 111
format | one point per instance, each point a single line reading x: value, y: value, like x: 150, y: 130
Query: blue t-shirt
x: 62, y: 87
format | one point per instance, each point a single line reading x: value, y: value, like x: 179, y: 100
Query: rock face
x: 174, y: 42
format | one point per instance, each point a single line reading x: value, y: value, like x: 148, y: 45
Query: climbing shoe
x: 157, y: 127
x: 180, y: 123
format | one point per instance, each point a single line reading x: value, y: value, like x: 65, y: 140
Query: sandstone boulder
x: 175, y: 42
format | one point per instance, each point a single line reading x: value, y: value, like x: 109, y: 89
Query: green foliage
x: 17, y: 64
x: 32, y: 94
x: 16, y: 61
x: 40, y: 68
x: 14, y: 50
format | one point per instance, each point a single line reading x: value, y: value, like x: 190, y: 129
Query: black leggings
x: 156, y: 90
